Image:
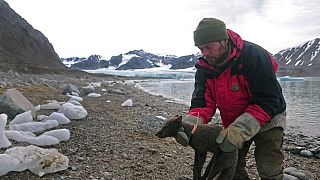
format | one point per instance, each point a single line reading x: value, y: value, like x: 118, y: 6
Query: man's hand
x: 242, y: 129
x: 182, y: 137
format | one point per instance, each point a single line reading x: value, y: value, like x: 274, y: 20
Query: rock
x: 12, y: 102
x: 29, y: 137
x: 127, y: 103
x: 296, y: 150
x: 76, y: 98
x: 37, y: 160
x: 289, y: 177
x: 4, y: 142
x: 116, y: 91
x: 22, y: 118
x: 34, y: 126
x: 88, y: 89
x: 77, y: 103
x: 72, y: 111
x: 302, y: 175
x: 60, y: 134
x: 288, y: 170
x: 69, y: 88
x: 59, y: 117
x: 94, y: 95
x: 315, y: 150
x: 51, y: 105
x: 306, y: 153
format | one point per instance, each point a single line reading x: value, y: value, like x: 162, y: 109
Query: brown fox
x: 203, y: 139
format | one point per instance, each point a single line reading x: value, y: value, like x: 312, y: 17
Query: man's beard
x: 219, y: 61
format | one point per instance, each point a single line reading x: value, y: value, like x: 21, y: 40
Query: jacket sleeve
x: 202, y: 101
x: 267, y: 99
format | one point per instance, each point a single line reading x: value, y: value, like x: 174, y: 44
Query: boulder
x: 12, y: 103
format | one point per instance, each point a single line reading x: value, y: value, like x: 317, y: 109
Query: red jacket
x: 247, y: 83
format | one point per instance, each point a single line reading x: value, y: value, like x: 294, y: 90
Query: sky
x: 80, y: 28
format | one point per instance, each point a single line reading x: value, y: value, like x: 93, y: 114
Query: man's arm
x: 202, y: 101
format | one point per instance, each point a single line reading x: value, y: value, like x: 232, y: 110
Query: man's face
x: 213, y: 52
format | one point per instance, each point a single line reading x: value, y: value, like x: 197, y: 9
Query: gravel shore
x: 115, y: 142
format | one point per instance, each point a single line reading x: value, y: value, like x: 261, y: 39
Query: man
x: 238, y: 78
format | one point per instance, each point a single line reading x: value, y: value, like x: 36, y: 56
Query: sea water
x: 302, y: 97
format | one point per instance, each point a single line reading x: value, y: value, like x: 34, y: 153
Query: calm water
x: 302, y: 97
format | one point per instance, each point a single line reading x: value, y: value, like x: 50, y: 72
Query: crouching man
x: 238, y: 78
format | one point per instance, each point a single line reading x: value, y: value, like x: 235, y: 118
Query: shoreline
x: 294, y: 124
x: 119, y: 142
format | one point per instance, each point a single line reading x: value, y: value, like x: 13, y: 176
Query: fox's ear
x: 179, y: 117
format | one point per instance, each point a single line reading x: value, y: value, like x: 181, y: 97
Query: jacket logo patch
x: 235, y: 87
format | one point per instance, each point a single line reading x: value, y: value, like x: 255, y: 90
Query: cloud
x: 83, y: 28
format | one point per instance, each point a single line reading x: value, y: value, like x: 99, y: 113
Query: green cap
x: 210, y: 30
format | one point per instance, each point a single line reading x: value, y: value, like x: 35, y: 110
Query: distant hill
x: 301, y: 60
x: 136, y: 59
x: 23, y: 48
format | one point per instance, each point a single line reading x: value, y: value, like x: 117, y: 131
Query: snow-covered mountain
x: 136, y: 59
x: 301, y: 60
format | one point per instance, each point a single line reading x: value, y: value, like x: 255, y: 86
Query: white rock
x: 37, y: 160
x: 94, y: 95
x: 75, y: 102
x: 41, y: 117
x: 29, y: 137
x: 4, y: 142
x: 37, y: 108
x: 51, y: 105
x: 8, y: 163
x: 104, y: 90
x: 76, y: 98
x: 127, y: 103
x: 59, y: 117
x: 34, y: 126
x: 161, y: 117
x: 72, y: 111
x: 45, y: 140
x: 60, y: 134
x: 95, y: 84
x: 22, y: 118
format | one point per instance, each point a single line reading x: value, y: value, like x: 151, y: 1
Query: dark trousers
x: 268, y: 154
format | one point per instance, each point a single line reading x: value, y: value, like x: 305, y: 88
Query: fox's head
x: 170, y: 127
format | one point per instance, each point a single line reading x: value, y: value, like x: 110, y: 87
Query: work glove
x: 242, y: 129
x: 182, y: 137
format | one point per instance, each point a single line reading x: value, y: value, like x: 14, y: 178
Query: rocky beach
x: 119, y: 142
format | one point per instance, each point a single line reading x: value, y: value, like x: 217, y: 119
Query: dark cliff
x: 23, y: 48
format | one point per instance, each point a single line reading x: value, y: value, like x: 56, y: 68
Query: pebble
x: 289, y: 177
x: 306, y: 153
x: 305, y: 146
x: 288, y: 170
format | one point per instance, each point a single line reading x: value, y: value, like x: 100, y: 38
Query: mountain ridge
x: 301, y: 60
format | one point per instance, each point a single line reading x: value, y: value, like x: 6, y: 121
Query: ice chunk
x: 34, y: 126
x: 4, y: 142
x: 26, y: 136
x: 37, y: 160
x: 72, y: 111
x: 22, y: 118
x: 60, y: 134
x: 61, y: 118
x: 127, y: 103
